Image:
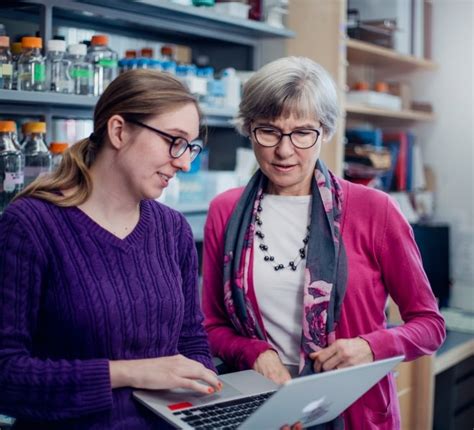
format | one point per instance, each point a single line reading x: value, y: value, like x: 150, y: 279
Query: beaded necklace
x: 292, y: 264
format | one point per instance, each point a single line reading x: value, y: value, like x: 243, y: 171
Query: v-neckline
x: 89, y: 226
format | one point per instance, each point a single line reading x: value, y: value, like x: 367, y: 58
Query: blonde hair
x: 134, y: 95
x: 289, y: 86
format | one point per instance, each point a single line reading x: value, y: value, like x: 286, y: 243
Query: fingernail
x: 219, y: 385
x: 210, y: 390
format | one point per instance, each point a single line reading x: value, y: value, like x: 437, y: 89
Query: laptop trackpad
x: 179, y: 395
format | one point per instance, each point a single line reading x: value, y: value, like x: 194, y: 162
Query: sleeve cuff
x: 383, y: 344
x: 96, y: 392
x: 255, y: 348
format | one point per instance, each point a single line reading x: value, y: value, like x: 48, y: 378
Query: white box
x: 236, y: 9
x: 375, y: 99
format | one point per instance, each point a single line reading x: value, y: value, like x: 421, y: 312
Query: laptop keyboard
x: 224, y: 415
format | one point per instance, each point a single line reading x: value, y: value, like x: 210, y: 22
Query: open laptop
x: 250, y: 401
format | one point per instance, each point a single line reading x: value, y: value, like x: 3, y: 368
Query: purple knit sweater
x: 73, y: 296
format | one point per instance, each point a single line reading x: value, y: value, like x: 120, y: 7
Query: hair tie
x: 93, y: 137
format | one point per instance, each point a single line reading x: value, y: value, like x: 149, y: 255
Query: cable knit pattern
x: 74, y: 296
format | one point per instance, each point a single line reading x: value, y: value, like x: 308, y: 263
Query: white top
x: 56, y: 45
x: 280, y: 292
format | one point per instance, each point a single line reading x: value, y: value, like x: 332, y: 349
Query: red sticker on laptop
x: 178, y: 406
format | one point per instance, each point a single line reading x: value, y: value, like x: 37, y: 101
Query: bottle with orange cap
x: 6, y: 65
x: 11, y: 164
x: 38, y: 159
x: 57, y: 149
x: 31, y: 65
x: 104, y: 61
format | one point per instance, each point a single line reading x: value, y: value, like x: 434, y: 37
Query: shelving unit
x: 229, y: 42
x: 364, y: 53
x: 74, y: 106
x: 321, y: 36
x: 370, y: 113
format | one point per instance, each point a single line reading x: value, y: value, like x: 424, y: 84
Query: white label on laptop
x: 314, y: 410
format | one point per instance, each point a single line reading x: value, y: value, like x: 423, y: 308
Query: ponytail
x: 72, y: 174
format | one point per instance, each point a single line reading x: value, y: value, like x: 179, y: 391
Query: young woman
x: 98, y: 281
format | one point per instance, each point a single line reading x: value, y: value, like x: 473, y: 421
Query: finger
x: 191, y: 384
x: 297, y: 426
x: 192, y: 369
x: 211, y: 378
x: 323, y: 354
x: 332, y: 362
x: 285, y: 427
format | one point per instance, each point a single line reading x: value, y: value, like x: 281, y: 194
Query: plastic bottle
x: 105, y: 62
x: 208, y: 74
x: 169, y: 66
x: 143, y: 63
x: 38, y: 159
x: 11, y: 164
x: 232, y: 88
x: 155, y: 64
x: 57, y: 67
x: 57, y: 149
x: 31, y: 65
x: 6, y: 64
x: 82, y: 73
x: 16, y: 53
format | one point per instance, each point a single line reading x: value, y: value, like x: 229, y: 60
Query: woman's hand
x: 342, y: 353
x: 268, y: 363
x: 175, y: 371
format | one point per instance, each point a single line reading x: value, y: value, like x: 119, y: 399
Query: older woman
x: 298, y: 265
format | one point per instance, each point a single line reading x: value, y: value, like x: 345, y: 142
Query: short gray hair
x: 289, y: 86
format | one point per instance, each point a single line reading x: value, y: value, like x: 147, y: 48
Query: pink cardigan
x: 382, y: 258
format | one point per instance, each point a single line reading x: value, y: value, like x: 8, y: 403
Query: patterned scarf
x: 325, y: 272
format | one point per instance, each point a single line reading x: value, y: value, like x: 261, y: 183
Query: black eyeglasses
x: 178, y: 144
x: 302, y: 138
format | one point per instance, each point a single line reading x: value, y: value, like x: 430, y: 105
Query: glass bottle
x: 6, y: 64
x: 38, y: 159
x: 82, y: 72
x: 104, y: 61
x: 16, y: 53
x: 57, y: 149
x: 31, y: 65
x: 11, y: 164
x: 57, y: 68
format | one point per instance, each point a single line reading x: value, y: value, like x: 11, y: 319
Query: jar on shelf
x: 104, y: 61
x: 57, y: 67
x: 6, y: 64
x: 57, y: 149
x: 11, y: 164
x: 31, y: 65
x: 82, y: 73
x: 38, y: 159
